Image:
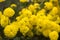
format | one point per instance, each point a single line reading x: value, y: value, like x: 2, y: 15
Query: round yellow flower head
x: 4, y: 21
x: 31, y: 7
x: 46, y: 32
x: 53, y: 35
x: 23, y: 1
x: 10, y: 31
x: 26, y: 12
x: 54, y: 26
x: 15, y: 23
x: 36, y: 5
x: 9, y: 12
x: 41, y: 12
x: 48, y: 5
x: 2, y: 0
x: 13, y: 5
x: 54, y: 11
x: 24, y: 29
x: 41, y: 25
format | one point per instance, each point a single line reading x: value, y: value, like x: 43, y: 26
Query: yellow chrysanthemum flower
x: 37, y: 5
x: 23, y: 1
x: 41, y: 13
x: 13, y: 5
x: 46, y: 32
x: 2, y: 0
x: 25, y: 21
x: 54, y: 26
x: 10, y: 31
x: 48, y: 5
x: 54, y: 11
x: 31, y: 7
x: 53, y: 35
x: 9, y: 12
x: 24, y: 29
x: 26, y: 12
x: 4, y: 21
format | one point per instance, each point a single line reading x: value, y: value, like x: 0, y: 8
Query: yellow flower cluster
x: 24, y: 30
x: 4, y: 21
x: 31, y: 21
x: 11, y: 30
x: 9, y: 12
x: 4, y: 16
x: 53, y: 35
x: 34, y: 6
x: 48, y: 5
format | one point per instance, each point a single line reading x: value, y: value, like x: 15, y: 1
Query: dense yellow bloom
x: 2, y: 0
x: 54, y: 11
x: 41, y: 13
x: 31, y: 7
x: 27, y: 23
x: 24, y: 29
x: 33, y: 19
x: 49, y: 17
x: 53, y: 35
x: 10, y: 31
x: 26, y: 13
x: 13, y: 5
x: 23, y: 1
x: 36, y: 5
x: 48, y: 5
x: 41, y: 25
x: 46, y: 32
x: 4, y: 21
x: 54, y: 26
x: 9, y: 12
